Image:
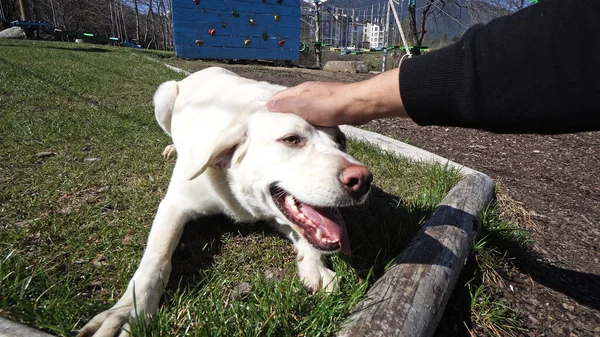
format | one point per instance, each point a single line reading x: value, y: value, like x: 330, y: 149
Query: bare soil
x: 554, y: 181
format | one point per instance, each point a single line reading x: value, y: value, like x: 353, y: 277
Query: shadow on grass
x: 86, y: 50
x: 57, y: 84
x: 78, y: 49
x: 201, y: 241
x: 378, y: 230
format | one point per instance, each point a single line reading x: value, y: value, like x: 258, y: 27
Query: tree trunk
x: 137, y: 21
x: 123, y: 21
x: 418, y: 34
x: 424, y: 14
x: 318, y: 33
x: 26, y: 16
x: 147, y: 24
x: 412, y: 21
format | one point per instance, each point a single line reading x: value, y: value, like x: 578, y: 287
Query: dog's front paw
x: 169, y: 151
x: 316, y: 276
x: 112, y: 322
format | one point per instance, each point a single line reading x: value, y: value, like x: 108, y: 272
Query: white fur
x: 207, y: 114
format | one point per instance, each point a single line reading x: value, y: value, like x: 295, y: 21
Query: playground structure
x: 237, y: 29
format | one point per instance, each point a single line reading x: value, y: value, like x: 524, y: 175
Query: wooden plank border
x: 410, y: 298
x: 10, y: 328
x: 402, y: 149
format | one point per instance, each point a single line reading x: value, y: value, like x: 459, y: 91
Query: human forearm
x: 329, y: 104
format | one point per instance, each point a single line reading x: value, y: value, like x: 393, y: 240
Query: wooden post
x: 26, y: 16
x: 386, y: 39
x: 410, y: 298
x: 10, y: 328
x: 318, y: 33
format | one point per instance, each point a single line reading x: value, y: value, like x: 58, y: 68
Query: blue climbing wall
x: 237, y: 29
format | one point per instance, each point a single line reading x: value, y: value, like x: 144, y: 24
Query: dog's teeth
x: 319, y: 235
x: 302, y: 216
x: 289, y: 200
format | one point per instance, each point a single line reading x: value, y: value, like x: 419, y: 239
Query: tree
x: 316, y: 10
x: 417, y: 30
x: 484, y: 11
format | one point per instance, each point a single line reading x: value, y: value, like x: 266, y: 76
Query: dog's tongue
x: 330, y: 223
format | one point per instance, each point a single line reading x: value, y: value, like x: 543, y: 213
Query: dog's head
x: 279, y: 166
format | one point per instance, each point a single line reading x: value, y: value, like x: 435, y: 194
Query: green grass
x: 74, y: 221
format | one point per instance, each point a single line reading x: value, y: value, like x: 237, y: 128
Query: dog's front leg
x: 312, y: 269
x: 145, y: 288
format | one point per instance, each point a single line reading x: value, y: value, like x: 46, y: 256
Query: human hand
x: 319, y: 103
x: 331, y: 104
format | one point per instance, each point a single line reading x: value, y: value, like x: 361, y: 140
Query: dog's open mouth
x: 323, y: 227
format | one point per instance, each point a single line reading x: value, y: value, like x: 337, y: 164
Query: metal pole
x: 352, y: 42
x: 386, y: 38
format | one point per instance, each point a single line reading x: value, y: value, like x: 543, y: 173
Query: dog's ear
x: 229, y: 147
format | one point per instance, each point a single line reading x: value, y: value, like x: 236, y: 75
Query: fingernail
x: 271, y: 105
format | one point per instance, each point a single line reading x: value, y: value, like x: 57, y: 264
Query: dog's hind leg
x: 145, y: 288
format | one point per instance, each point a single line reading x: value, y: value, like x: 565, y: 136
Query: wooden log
x: 410, y: 298
x: 10, y: 328
x: 402, y: 149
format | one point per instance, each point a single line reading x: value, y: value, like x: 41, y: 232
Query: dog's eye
x: 292, y: 139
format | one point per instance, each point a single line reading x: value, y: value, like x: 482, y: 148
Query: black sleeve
x: 536, y: 71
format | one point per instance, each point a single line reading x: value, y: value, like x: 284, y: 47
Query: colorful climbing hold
x: 235, y: 14
x: 247, y: 42
x: 265, y: 36
x: 281, y: 42
x: 199, y: 43
x: 197, y: 2
x: 211, y: 32
x: 224, y: 25
x: 253, y: 22
x: 276, y: 17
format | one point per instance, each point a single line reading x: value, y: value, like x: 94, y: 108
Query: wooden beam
x: 10, y: 328
x: 402, y: 149
x: 410, y: 298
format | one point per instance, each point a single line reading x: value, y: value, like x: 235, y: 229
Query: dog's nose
x: 356, y: 180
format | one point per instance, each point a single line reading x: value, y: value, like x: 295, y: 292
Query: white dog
x: 236, y: 158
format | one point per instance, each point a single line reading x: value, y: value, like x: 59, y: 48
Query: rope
x: 393, y: 7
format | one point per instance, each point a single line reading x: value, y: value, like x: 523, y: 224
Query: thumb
x: 276, y: 105
x: 288, y: 104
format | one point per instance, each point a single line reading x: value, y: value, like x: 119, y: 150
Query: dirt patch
x: 551, y: 182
